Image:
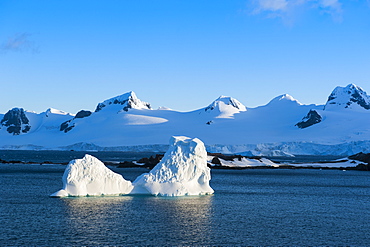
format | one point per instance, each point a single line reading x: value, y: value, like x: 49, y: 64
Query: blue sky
x: 71, y: 55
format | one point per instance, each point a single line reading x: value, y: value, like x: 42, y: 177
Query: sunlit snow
x: 90, y: 177
x: 182, y: 171
x: 125, y: 123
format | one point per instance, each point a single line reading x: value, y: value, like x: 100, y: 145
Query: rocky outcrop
x: 363, y: 157
x: 313, y: 117
x: 82, y: 114
x: 69, y: 125
x: 16, y: 121
x: 152, y: 161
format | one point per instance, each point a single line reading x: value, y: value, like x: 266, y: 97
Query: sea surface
x: 66, y: 156
x: 250, y: 207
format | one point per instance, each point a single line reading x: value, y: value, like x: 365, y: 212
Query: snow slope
x: 284, y: 126
x: 243, y: 162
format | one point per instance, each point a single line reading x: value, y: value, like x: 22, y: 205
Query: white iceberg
x: 90, y: 177
x: 182, y: 171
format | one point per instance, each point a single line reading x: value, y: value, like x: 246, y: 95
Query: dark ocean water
x: 66, y: 156
x: 249, y: 207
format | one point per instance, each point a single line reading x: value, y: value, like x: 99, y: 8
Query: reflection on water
x: 249, y: 208
x: 90, y: 218
x: 139, y: 220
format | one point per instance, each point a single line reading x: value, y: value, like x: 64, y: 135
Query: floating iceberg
x: 182, y: 171
x: 90, y: 177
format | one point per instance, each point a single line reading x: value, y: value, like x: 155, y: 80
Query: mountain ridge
x: 125, y: 121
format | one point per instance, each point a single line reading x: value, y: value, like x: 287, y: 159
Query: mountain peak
x: 55, y: 111
x: 350, y: 97
x: 283, y: 99
x: 226, y: 100
x: 127, y: 100
x: 16, y: 121
x: 225, y: 106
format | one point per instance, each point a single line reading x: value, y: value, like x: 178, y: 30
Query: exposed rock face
x: 347, y: 97
x: 364, y: 157
x: 313, y: 117
x: 16, y: 121
x: 152, y: 161
x: 82, y: 114
x: 127, y: 100
x: 68, y: 125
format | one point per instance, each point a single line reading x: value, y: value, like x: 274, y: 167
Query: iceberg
x: 182, y: 171
x: 90, y: 177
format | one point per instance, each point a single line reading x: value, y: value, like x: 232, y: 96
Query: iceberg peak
x: 128, y: 101
x: 182, y: 171
x: 90, y: 177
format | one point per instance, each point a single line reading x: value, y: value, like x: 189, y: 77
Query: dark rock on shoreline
x: 151, y: 161
x: 363, y: 157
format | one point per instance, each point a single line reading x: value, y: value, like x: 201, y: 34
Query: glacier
x: 182, y: 171
x: 282, y: 127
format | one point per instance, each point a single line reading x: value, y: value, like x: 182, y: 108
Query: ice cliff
x: 90, y: 177
x: 182, y: 171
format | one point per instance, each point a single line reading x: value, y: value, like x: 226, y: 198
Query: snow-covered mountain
x: 349, y: 97
x: 123, y: 102
x: 16, y: 121
x: 225, y: 107
x: 284, y: 126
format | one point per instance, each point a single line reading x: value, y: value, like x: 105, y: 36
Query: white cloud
x: 332, y: 7
x: 285, y: 9
x: 19, y: 42
x: 272, y: 5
